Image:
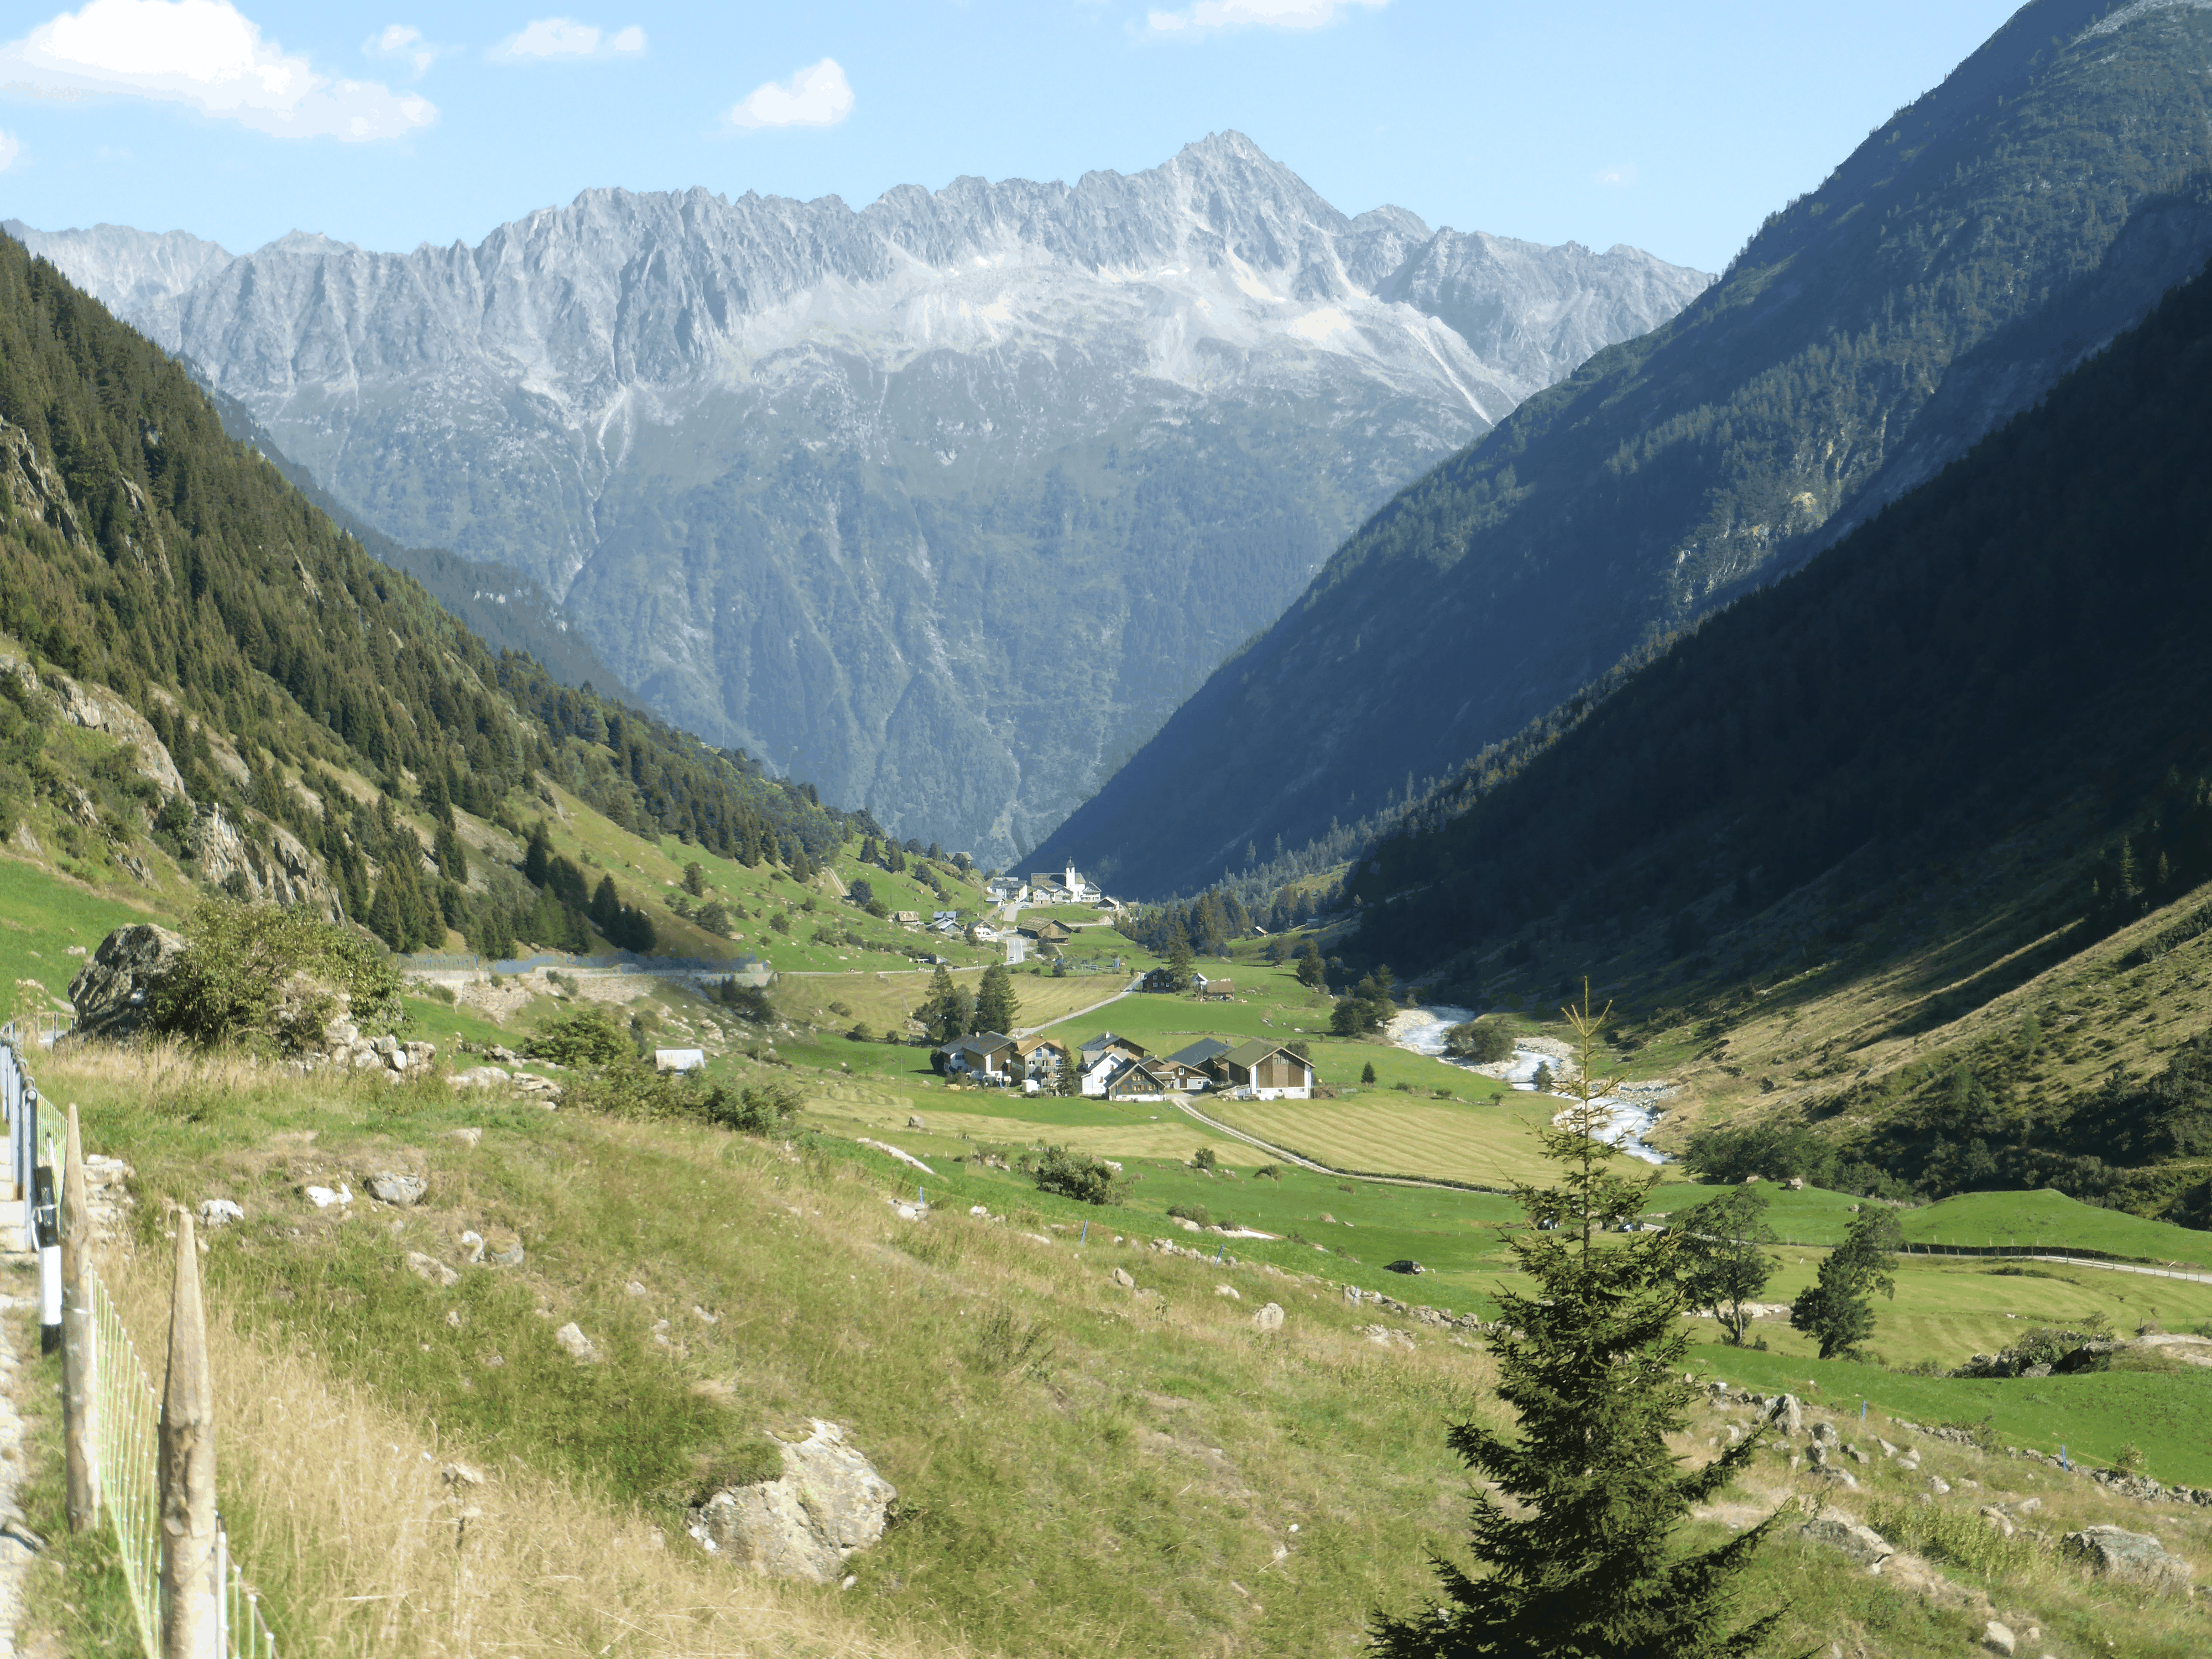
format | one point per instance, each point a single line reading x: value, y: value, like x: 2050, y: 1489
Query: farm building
x: 1268, y: 1070
x: 1134, y: 1079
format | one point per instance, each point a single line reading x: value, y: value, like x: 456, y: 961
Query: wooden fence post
x: 77, y: 1401
x: 191, y: 1621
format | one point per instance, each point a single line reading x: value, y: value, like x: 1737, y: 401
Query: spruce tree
x: 996, y: 1009
x: 1591, y: 1358
x: 1179, y: 964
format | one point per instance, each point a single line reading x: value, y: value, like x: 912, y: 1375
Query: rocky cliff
x: 947, y: 502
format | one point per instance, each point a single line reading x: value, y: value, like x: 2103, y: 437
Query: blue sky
x: 1674, y: 128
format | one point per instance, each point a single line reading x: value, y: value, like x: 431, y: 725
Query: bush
x: 1485, y: 1041
x: 270, y: 978
x: 761, y: 1108
x: 1074, y: 1174
x: 1203, y: 1158
x: 587, y: 1036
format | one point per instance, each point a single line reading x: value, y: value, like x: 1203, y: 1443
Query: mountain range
x: 1976, y: 244
x: 947, y: 502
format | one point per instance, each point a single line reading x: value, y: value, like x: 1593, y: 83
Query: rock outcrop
x: 2132, y: 1557
x: 282, y: 872
x: 113, y: 992
x: 829, y: 1502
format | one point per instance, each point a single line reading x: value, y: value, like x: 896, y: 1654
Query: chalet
x: 986, y: 1056
x: 1270, y: 1071
x: 1219, y: 990
x: 907, y: 918
x: 1007, y: 889
x: 1160, y: 979
x: 1100, y: 1059
x: 1045, y: 930
x: 1200, y: 1065
x: 1040, y: 1059
x: 1136, y: 1079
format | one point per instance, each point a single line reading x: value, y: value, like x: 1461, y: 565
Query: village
x: 1110, y: 1067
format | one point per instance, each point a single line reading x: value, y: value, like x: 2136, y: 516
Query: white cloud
x: 555, y: 39
x: 10, y: 147
x: 1240, y: 14
x: 206, y: 54
x: 1618, y: 177
x: 400, y: 40
x: 818, y: 96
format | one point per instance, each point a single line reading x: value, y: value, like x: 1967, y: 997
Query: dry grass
x: 341, y: 1511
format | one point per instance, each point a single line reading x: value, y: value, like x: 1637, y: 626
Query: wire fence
x: 123, y: 1438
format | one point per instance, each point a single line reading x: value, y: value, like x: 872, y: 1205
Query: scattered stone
x: 461, y: 1474
x: 429, y: 1268
x: 2000, y: 1523
x: 1121, y: 1278
x: 1887, y: 1450
x: 219, y: 1212
x: 1825, y: 1435
x: 703, y: 1316
x: 113, y: 992
x: 1839, y: 1530
x: 1383, y: 1337
x: 1999, y: 1640
x: 634, y: 1289
x: 453, y: 1317
x: 828, y: 1503
x: 979, y: 1209
x: 914, y: 1123
x: 1229, y: 1291
x: 1938, y: 1485
x: 2132, y: 1557
x: 322, y: 1197
x: 478, y: 1077
x: 1269, y: 1318
x: 1787, y: 1414
x: 390, y: 1186
x: 466, y: 1137
x: 473, y: 1241
x: 509, y: 1257
x: 579, y: 1346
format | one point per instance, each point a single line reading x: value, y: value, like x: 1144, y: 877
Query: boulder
x: 1786, y: 1414
x: 389, y: 1186
x: 1229, y: 1291
x: 322, y: 1197
x: 2132, y: 1557
x: 114, y: 991
x: 1121, y: 1278
x: 429, y: 1268
x: 1841, y: 1531
x: 219, y: 1212
x: 828, y: 1503
x: 1998, y: 1639
x: 1269, y: 1318
x: 579, y: 1346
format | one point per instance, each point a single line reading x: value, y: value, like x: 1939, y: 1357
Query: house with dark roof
x: 1134, y: 1079
x: 1269, y: 1070
x: 988, y: 1056
x: 1098, y: 1060
x: 1198, y: 1066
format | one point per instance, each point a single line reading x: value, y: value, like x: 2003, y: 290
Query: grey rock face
x: 388, y: 1187
x: 282, y: 872
x: 2133, y: 1557
x: 114, y: 991
x: 945, y: 504
x: 828, y: 1503
x: 1840, y: 1531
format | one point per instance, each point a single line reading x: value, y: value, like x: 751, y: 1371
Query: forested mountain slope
x: 946, y: 502
x: 199, y: 671
x: 1629, y: 500
x: 1923, y: 778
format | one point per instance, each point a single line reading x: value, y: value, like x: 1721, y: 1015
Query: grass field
x: 1492, y: 1143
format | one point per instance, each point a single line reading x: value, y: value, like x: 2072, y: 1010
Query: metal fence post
x: 78, y: 1434
x: 191, y: 1623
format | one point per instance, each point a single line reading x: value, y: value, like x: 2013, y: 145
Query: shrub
x: 1482, y: 1040
x: 760, y: 1108
x: 585, y: 1035
x: 1203, y: 1158
x: 1077, y: 1176
x: 265, y: 978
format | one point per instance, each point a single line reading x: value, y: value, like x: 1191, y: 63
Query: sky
x: 1676, y: 129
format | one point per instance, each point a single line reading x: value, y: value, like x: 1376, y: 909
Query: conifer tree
x: 1591, y: 1358
x: 1179, y: 964
x: 996, y: 1009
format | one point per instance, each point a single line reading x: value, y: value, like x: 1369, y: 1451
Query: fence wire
x: 124, y: 1442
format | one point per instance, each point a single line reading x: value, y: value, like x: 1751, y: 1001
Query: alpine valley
x: 945, y: 504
